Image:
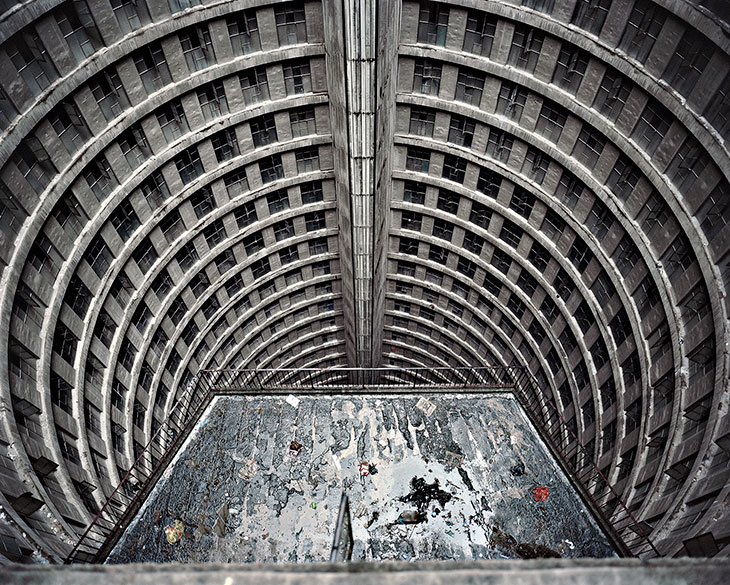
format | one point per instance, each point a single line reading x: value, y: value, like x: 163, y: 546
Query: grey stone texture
x: 244, y: 495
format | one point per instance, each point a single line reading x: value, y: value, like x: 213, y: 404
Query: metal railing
x: 342, y: 542
x: 127, y: 498
x: 610, y: 510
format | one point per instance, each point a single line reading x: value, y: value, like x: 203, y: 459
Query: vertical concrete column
x: 388, y: 19
x: 350, y: 25
x: 334, y: 18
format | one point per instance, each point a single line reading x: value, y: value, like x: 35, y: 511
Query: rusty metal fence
x: 125, y: 500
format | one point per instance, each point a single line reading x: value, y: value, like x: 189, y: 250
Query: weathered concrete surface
x: 243, y: 497
x: 535, y: 572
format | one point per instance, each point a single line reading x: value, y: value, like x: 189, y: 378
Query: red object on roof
x: 540, y: 494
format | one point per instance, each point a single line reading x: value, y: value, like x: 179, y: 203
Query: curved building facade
x: 193, y: 185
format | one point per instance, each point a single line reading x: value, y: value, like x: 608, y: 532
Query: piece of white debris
x: 293, y: 400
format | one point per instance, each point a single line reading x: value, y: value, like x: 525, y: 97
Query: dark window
x: 489, y: 183
x: 714, y: 214
x: 225, y: 144
x: 172, y: 225
x: 473, y: 243
x: 612, y: 94
x: 511, y: 233
x: 61, y: 393
x: 688, y: 164
x: 254, y: 85
x: 414, y: 192
x: 108, y: 91
x: 620, y: 326
x: 291, y: 26
x: 652, y: 126
x: 410, y: 220
x: 263, y: 130
x: 717, y: 110
x: 224, y: 262
x: 479, y: 36
x: 253, y: 243
x: 297, y: 77
x: 466, y: 267
x: 65, y: 342
x: 99, y: 256
x: 553, y: 225
x: 480, y: 215
x: 418, y: 159
x: 645, y: 23
x: 551, y: 121
x: 125, y: 220
x: 31, y: 60
x: 212, y: 99
x: 307, y: 160
x: 78, y: 296
x: 448, y: 201
x: 215, y: 233
x: 245, y: 215
x: 134, y: 146
x: 315, y: 221
x: 243, y: 32
x: 499, y: 144
x: 202, y: 202
x: 563, y: 284
x: 288, y: 255
x: 580, y: 255
x: 511, y: 100
x: 189, y: 165
x: 283, y: 230
x: 538, y: 256
x: 427, y: 77
x: 461, y: 131
x: 527, y: 283
x: 591, y: 14
x: 584, y: 316
x: 626, y: 255
x: 278, y: 201
x: 271, y: 168
x: 197, y: 47
x: 526, y: 48
x: 152, y: 67
x: 303, y: 122
x: 408, y: 246
x: 443, y: 229
x: 155, y: 189
x: 569, y: 189
x: 454, y: 168
x: 536, y: 164
x: 570, y: 69
x: 311, y: 192
x: 422, y: 122
x: 623, y: 178
x: 438, y: 254
x: 100, y: 177
x: 187, y: 256
x: 600, y: 219
x: 433, y: 20
x: 145, y: 255
x: 469, y: 86
x: 501, y: 260
x: 70, y: 126
x: 589, y: 146
x: 260, y: 267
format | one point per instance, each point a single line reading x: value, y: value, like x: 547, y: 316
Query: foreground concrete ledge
x: 563, y: 571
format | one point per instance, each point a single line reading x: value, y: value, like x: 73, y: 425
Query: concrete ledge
x: 538, y: 572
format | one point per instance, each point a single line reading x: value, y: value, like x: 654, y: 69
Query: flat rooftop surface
x: 449, y: 476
